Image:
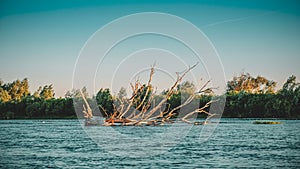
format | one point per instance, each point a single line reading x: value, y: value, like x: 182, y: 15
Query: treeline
x: 246, y: 97
x: 17, y: 102
x: 249, y: 97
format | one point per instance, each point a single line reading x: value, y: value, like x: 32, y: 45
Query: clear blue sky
x: 41, y: 40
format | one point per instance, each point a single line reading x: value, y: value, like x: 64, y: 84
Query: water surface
x: 64, y: 144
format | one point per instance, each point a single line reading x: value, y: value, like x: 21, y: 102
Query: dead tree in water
x: 141, y: 109
x: 87, y: 111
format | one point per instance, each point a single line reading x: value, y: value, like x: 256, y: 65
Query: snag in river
x: 141, y: 108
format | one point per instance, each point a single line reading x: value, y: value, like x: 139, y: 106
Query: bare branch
x: 187, y: 101
x: 200, y: 110
x: 87, y: 108
x: 171, y: 91
x: 151, y: 113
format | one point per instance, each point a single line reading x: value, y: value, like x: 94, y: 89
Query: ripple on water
x: 63, y: 144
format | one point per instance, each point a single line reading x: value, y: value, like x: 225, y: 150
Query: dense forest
x: 246, y: 97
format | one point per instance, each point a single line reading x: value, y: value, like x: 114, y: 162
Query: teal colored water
x: 65, y: 144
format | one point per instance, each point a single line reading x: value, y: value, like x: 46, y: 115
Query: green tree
x: 4, y: 95
x: 36, y: 94
x: 68, y: 94
x: 47, y: 92
x: 291, y: 84
x: 289, y: 97
x: 183, y: 91
x: 25, y: 87
x: 105, y: 102
x: 34, y: 110
x: 75, y: 93
x: 249, y: 84
x: 122, y: 93
x: 13, y: 90
x: 142, y: 96
x: 17, y: 89
x: 187, y: 87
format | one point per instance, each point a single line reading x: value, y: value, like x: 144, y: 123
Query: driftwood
x: 87, y: 111
x: 147, y: 112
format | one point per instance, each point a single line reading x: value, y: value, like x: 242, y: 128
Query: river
x: 67, y: 144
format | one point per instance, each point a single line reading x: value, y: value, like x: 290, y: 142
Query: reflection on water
x: 63, y: 144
